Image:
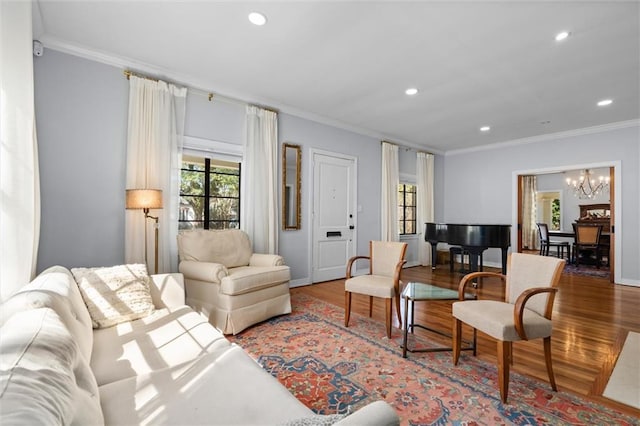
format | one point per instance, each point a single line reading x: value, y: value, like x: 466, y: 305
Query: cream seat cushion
x: 233, y: 387
x: 496, y: 319
x: 245, y: 279
x: 372, y: 285
x: 174, y: 336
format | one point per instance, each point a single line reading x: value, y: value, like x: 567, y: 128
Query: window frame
x: 207, y: 173
x: 402, y: 221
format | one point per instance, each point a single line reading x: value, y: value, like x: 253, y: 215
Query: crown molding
x: 199, y: 85
x: 549, y: 136
x: 193, y: 83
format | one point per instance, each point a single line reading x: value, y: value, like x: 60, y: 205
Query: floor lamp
x: 146, y: 199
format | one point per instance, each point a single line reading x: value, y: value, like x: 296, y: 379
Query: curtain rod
x: 406, y: 147
x: 128, y: 74
x: 210, y: 96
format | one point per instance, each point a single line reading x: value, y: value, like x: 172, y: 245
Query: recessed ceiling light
x: 485, y: 128
x: 605, y: 102
x: 563, y: 35
x: 411, y: 91
x: 257, y: 18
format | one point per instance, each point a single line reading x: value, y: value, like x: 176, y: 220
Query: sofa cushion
x: 230, y: 247
x: 55, y: 288
x: 166, y: 338
x: 246, y: 279
x: 44, y: 379
x: 227, y: 388
x: 115, y: 294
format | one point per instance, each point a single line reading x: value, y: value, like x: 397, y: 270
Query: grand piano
x: 475, y: 239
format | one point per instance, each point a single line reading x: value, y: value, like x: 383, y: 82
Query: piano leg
x: 434, y: 254
x: 475, y: 257
x: 504, y: 260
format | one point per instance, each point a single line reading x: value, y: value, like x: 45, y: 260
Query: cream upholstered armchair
x: 224, y: 280
x: 383, y: 280
x: 531, y: 284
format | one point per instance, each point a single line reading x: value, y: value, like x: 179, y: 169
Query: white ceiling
x: 348, y: 63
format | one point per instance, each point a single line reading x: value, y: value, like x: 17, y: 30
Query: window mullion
x: 207, y: 191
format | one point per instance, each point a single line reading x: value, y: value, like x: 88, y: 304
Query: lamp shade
x: 144, y: 199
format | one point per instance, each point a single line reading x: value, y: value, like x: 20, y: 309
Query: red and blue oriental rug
x: 330, y: 368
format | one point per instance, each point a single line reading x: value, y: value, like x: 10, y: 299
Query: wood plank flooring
x: 590, y: 315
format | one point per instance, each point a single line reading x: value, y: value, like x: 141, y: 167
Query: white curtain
x: 529, y: 228
x: 154, y: 151
x: 424, y: 181
x: 259, y: 217
x: 389, y: 193
x: 19, y: 177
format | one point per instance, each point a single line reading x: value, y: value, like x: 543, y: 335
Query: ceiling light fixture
x: 605, y: 102
x: 257, y: 18
x: 587, y: 186
x: 485, y: 128
x: 563, y: 35
x: 412, y: 91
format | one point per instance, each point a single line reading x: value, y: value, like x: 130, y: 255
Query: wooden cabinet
x: 596, y: 214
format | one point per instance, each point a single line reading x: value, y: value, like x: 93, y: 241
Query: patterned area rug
x: 588, y: 270
x: 329, y: 368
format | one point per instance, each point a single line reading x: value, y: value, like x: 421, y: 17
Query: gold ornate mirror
x: 291, y: 156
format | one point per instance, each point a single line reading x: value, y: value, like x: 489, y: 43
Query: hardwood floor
x: 590, y: 314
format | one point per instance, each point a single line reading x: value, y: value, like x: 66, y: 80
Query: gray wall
x: 81, y: 113
x: 479, y: 184
x: 81, y: 119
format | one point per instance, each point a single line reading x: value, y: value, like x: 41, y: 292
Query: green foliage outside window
x: 555, y: 214
x: 216, y: 206
x: 407, y: 209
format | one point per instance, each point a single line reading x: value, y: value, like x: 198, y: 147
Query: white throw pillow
x: 115, y: 294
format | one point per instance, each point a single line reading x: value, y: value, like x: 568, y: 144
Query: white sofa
x: 228, y: 283
x: 171, y: 367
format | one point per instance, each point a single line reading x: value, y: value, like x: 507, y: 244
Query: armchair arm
x: 258, y: 259
x: 351, y: 262
x: 472, y: 276
x: 398, y: 272
x: 521, y: 301
x: 203, y: 271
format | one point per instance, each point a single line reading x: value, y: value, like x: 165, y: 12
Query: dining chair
x: 587, y: 241
x: 525, y: 314
x: 546, y: 243
x: 386, y: 259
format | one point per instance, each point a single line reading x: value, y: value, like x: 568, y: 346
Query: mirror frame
x: 295, y: 223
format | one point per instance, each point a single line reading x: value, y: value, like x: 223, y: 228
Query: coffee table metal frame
x: 417, y: 292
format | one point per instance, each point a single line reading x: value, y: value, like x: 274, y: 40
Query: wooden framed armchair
x: 386, y: 259
x: 531, y: 283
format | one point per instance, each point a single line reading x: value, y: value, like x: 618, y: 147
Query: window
x: 406, y: 209
x: 209, y: 194
x: 548, y: 209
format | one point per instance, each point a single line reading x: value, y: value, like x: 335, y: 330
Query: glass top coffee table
x: 417, y: 292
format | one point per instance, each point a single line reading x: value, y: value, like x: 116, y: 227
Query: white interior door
x: 334, y: 217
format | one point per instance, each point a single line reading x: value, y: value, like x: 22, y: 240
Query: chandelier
x: 587, y: 186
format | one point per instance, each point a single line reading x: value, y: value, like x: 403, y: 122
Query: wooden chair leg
x: 388, y: 314
x: 370, y: 306
x: 398, y: 311
x: 504, y: 352
x: 347, y: 307
x: 547, y: 358
x: 456, y: 339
